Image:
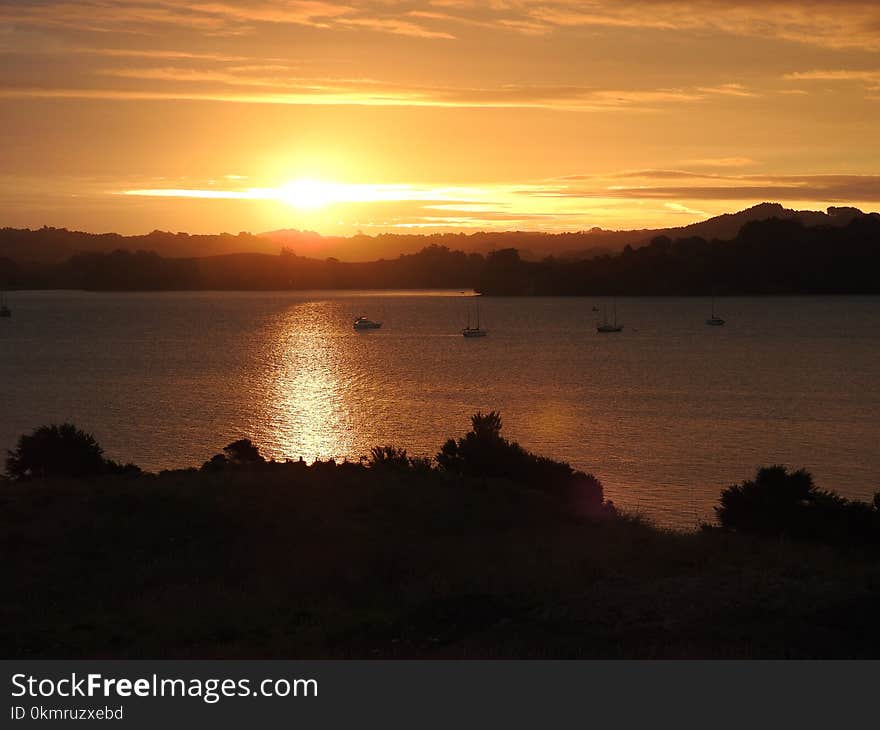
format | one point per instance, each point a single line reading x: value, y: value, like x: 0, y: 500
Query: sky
x: 447, y: 115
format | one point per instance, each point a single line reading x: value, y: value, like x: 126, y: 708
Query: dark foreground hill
x: 247, y: 559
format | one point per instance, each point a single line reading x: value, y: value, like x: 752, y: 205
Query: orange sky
x: 225, y: 115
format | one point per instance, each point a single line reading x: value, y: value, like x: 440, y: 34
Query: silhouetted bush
x: 60, y: 451
x: 243, y: 451
x: 588, y: 496
x: 778, y: 502
x: 238, y: 453
x: 127, y: 469
x: 388, y: 457
x: 392, y: 458
x: 483, y: 452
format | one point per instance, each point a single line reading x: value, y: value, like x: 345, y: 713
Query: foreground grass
x: 296, y: 562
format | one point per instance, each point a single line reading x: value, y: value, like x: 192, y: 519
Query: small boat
x: 607, y: 326
x: 714, y: 321
x: 362, y: 323
x: 5, y: 311
x: 474, y: 331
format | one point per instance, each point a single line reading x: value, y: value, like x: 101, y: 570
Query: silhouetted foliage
x: 782, y: 503
x: 59, y: 451
x: 388, y: 457
x: 392, y: 458
x: 127, y: 469
x: 242, y: 451
x: 483, y: 452
x: 215, y: 463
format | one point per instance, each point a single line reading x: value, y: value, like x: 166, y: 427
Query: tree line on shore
x: 774, y: 256
x: 775, y: 503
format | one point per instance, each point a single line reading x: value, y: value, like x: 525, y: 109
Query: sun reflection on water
x: 306, y: 411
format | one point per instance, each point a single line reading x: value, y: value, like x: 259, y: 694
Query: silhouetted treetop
x: 782, y: 503
x: 59, y: 451
x: 243, y: 451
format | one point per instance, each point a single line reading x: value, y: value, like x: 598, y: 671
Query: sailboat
x: 4, y: 310
x: 607, y: 326
x: 714, y: 321
x: 362, y: 323
x: 474, y: 331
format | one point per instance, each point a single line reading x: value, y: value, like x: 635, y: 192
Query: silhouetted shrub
x: 388, y: 457
x: 238, y: 453
x: 483, y: 452
x: 588, y: 496
x: 777, y: 503
x: 215, y: 463
x: 127, y: 469
x: 57, y: 451
x: 392, y: 458
x: 242, y: 451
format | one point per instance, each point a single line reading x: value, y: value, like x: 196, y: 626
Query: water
x: 666, y: 413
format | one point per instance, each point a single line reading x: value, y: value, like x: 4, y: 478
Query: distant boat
x: 474, y: 331
x: 362, y: 323
x: 607, y: 326
x: 5, y: 311
x: 714, y: 321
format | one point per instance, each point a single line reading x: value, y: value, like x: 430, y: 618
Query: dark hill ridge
x: 534, y: 245
x: 55, y: 245
x: 721, y: 227
x: 774, y: 256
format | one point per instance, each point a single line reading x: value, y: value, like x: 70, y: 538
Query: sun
x: 310, y: 194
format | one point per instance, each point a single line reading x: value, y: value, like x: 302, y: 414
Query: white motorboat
x: 363, y: 323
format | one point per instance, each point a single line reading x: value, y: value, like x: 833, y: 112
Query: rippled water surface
x: 665, y: 413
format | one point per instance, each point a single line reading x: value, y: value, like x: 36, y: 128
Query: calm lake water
x: 666, y: 413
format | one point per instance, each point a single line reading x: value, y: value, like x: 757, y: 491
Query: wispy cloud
x: 869, y: 78
x: 693, y: 186
x: 211, y: 18
x: 679, y: 208
x: 280, y: 84
x: 844, y: 24
x: 728, y: 90
x: 557, y: 199
x: 712, y: 162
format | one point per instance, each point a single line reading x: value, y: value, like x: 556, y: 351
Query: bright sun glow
x: 310, y: 194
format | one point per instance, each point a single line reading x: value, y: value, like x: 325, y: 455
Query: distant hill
x: 722, y: 227
x: 773, y: 256
x: 55, y: 245
x: 535, y: 245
